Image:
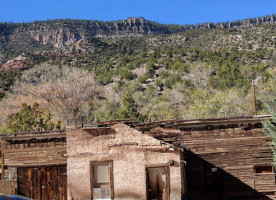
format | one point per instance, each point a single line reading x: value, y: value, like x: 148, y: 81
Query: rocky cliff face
x: 70, y: 33
x: 60, y: 33
x: 58, y: 39
x: 236, y: 24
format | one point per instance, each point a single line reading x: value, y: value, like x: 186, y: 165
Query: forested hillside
x: 80, y: 71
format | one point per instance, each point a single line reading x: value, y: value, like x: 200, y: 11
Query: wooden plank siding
x: 236, y: 156
x: 34, y: 152
x: 34, y: 149
x: 221, y: 156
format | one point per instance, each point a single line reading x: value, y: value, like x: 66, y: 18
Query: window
x: 101, y: 176
x: 264, y: 169
x: 268, y: 193
x: 101, y: 180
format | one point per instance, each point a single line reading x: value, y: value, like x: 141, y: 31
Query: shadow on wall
x: 205, y: 181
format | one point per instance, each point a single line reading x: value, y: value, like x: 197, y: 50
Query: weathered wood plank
x: 233, y: 146
x: 7, y: 187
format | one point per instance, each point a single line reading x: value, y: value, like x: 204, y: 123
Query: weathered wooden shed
x: 226, y: 158
x: 119, y: 162
x: 37, y: 163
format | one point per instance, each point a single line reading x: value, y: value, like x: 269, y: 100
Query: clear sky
x: 163, y: 11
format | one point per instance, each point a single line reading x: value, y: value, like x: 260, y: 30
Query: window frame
x: 260, y: 166
x: 111, y: 182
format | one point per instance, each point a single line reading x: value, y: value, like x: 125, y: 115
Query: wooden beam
x: 39, y: 135
x: 2, y: 157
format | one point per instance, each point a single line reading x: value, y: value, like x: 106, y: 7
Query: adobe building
x: 225, y: 158
x: 119, y: 162
x: 210, y: 159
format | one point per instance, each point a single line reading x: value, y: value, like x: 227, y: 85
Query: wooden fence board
x: 8, y: 187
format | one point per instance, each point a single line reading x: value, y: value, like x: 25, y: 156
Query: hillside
x: 40, y: 35
x: 80, y: 70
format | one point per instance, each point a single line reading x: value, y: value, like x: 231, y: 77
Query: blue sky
x: 163, y: 11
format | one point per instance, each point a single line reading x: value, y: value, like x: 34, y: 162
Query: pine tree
x: 29, y: 118
x: 129, y: 109
x: 270, y: 129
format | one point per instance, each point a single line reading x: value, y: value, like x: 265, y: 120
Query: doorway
x: 43, y: 183
x: 157, y: 183
x: 214, y: 182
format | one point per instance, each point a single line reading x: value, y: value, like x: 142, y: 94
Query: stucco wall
x: 130, y: 152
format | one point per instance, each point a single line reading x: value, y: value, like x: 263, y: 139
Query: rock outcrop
x: 60, y: 33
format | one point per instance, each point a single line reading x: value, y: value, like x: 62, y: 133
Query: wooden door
x: 214, y: 182
x: 157, y: 183
x: 43, y: 183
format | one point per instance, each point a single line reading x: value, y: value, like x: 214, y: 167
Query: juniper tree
x: 129, y: 107
x: 30, y: 118
x: 270, y: 128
